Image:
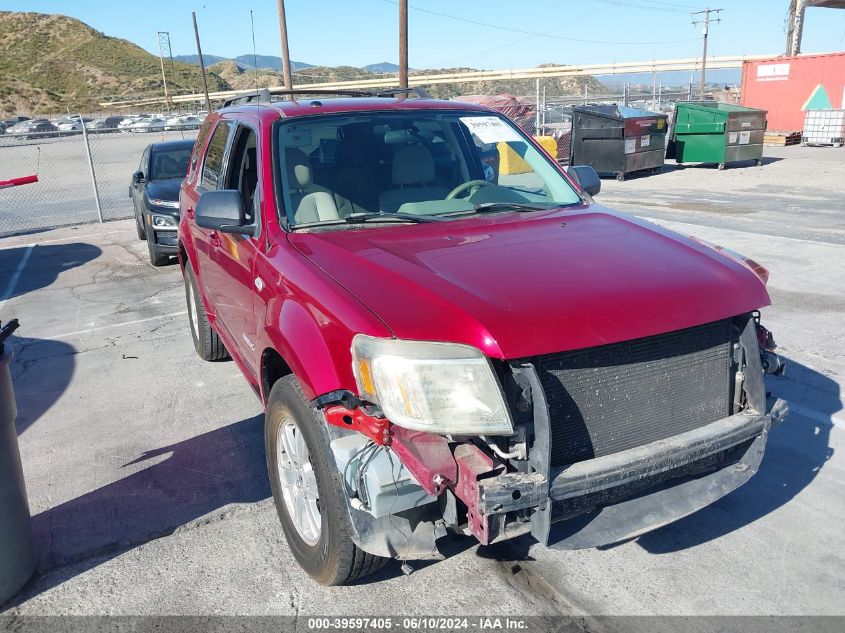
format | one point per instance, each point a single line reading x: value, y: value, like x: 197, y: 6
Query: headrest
x: 412, y: 165
x: 298, y: 168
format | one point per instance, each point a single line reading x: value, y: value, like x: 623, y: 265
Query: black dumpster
x: 617, y: 140
x: 17, y: 550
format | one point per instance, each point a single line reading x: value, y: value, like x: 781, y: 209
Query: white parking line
x: 114, y: 325
x: 13, y: 282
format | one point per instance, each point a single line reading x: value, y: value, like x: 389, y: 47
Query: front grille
x: 614, y: 397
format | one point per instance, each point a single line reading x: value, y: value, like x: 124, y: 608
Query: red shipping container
x: 782, y: 85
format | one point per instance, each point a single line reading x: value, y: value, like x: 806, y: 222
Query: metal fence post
x: 91, y: 168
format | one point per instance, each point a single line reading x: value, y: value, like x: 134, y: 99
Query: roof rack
x: 265, y: 95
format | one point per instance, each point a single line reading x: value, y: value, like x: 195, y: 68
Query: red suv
x: 449, y: 335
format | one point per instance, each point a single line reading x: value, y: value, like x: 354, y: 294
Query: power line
x: 532, y: 33
x: 663, y: 7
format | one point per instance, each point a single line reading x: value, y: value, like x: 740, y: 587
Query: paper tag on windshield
x: 490, y: 129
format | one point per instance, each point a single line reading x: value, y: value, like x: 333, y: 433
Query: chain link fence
x: 82, y: 177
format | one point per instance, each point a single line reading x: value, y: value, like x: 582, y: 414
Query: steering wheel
x: 472, y: 185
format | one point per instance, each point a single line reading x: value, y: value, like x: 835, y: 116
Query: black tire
x: 139, y: 226
x: 207, y: 343
x: 156, y: 259
x: 333, y: 559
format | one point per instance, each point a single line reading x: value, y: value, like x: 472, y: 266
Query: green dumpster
x: 715, y: 132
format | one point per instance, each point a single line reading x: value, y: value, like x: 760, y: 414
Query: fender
x: 309, y: 320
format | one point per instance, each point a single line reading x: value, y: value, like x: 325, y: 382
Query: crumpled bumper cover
x: 623, y: 495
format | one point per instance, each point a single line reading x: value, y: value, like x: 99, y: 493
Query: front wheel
x: 139, y: 226
x: 308, y: 489
x: 156, y: 259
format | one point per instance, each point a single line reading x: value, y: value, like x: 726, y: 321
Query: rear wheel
x: 308, y: 489
x: 207, y: 343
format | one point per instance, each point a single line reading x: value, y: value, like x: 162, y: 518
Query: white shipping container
x: 824, y: 127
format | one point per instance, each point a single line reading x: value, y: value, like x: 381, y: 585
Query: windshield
x: 429, y: 164
x: 169, y: 163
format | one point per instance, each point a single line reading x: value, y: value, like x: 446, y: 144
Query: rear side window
x: 212, y: 166
x: 199, y: 145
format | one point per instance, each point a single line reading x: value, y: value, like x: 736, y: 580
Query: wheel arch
x: 273, y: 368
x: 295, y: 343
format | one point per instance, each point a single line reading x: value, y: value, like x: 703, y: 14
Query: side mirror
x: 586, y: 177
x: 138, y: 176
x: 222, y: 211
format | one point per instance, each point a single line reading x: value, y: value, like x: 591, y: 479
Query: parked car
x: 154, y: 190
x: 184, y: 122
x: 15, y: 120
x: 41, y: 128
x: 106, y: 124
x: 20, y: 127
x: 444, y: 346
x: 72, y: 124
x: 126, y: 123
x: 153, y: 124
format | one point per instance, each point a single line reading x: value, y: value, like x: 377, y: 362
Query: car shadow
x: 41, y: 372
x: 185, y: 481
x: 42, y: 266
x: 797, y: 450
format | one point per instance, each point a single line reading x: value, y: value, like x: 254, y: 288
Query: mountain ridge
x: 51, y: 63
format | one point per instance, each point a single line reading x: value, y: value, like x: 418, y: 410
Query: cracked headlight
x: 170, y: 204
x: 164, y: 221
x: 435, y: 387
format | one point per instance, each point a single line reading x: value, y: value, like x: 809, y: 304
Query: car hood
x: 516, y: 285
x: 164, y: 189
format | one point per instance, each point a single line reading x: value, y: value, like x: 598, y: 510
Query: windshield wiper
x: 492, y: 207
x: 495, y: 207
x: 362, y: 218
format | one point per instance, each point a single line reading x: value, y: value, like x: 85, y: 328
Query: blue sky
x: 359, y: 32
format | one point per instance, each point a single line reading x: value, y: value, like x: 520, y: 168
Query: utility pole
x: 202, y: 63
x: 706, y: 22
x: 403, y: 43
x: 164, y: 43
x: 283, y: 29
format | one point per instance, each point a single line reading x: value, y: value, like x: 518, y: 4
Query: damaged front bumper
x: 591, y: 503
x: 620, y: 496
x: 469, y: 488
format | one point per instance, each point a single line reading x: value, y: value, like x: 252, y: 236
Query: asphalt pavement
x: 146, y: 473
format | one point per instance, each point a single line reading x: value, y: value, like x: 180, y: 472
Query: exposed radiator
x: 611, y: 398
